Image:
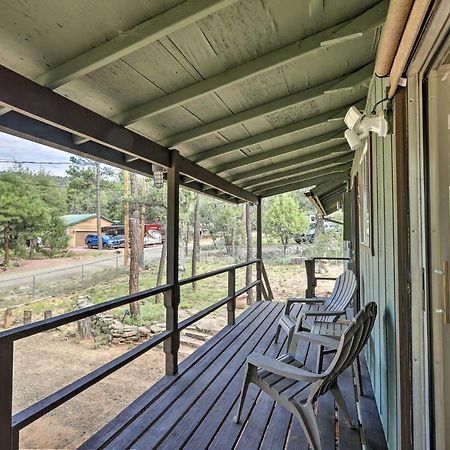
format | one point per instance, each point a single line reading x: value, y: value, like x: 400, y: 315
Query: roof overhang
x: 254, y: 106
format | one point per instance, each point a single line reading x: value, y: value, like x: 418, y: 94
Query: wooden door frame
x: 402, y: 272
x: 434, y: 33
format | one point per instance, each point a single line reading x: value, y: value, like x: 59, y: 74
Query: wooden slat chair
x: 331, y: 308
x: 296, y: 388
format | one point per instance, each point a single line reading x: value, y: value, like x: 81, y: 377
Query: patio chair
x: 293, y: 386
x: 330, y: 309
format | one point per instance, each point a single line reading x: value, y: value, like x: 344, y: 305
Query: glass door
x: 438, y: 176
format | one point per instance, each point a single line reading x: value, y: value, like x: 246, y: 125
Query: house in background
x: 80, y: 225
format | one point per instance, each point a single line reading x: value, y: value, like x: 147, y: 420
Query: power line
x: 13, y: 161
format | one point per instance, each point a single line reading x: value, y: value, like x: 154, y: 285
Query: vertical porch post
x: 231, y: 305
x: 172, y: 297
x: 6, y: 392
x: 259, y: 249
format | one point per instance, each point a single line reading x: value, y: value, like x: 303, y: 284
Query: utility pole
x: 126, y: 220
x: 99, y: 207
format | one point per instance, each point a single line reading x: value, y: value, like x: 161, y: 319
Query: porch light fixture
x: 158, y: 176
x: 359, y: 126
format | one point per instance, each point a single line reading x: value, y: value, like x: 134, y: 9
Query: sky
x: 16, y: 149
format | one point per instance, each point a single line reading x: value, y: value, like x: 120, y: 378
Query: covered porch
x: 238, y: 100
x: 195, y: 408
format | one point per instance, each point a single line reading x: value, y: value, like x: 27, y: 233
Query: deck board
x: 194, y: 409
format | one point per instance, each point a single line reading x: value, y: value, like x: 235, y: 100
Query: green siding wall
x: 377, y: 276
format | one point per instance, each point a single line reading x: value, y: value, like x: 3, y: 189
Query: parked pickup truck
x: 91, y: 241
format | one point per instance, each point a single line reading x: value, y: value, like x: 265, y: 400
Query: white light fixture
x: 158, y: 176
x: 359, y: 127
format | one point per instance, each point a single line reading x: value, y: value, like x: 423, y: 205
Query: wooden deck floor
x: 194, y: 409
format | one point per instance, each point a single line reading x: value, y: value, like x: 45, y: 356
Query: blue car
x: 91, y: 241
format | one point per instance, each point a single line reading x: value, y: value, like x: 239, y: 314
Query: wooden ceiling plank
x: 341, y: 84
x: 145, y: 33
x: 304, y: 176
x: 299, y: 185
x: 329, y: 143
x: 304, y: 169
x: 301, y: 125
x: 351, y: 29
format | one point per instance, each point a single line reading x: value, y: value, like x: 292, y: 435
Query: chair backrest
x: 342, y: 295
x: 352, y: 342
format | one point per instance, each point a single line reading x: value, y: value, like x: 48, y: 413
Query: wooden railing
x: 11, y: 425
x: 312, y: 278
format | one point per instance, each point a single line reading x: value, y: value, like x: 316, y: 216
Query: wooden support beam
x: 259, y: 249
x: 107, y: 139
x: 172, y: 297
x: 174, y: 19
x: 308, y: 158
x: 231, y: 305
x: 329, y: 121
x: 303, y: 170
x: 303, y: 176
x: 6, y: 394
x: 320, y: 143
x: 199, y: 173
x: 300, y: 185
x: 32, y: 100
x: 338, y: 34
x: 354, y: 84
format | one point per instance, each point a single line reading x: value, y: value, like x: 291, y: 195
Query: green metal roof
x: 251, y: 90
x: 73, y: 219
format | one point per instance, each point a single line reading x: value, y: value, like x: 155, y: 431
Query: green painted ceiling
x: 251, y: 89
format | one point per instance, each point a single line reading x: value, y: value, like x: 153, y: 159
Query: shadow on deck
x: 194, y: 409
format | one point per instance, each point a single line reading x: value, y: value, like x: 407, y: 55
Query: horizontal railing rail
x: 214, y: 273
x: 49, y: 403
x: 24, y: 331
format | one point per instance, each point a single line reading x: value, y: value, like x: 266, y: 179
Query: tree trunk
x: 186, y: 242
x: 99, y: 207
x: 135, y: 237
x: 6, y: 245
x: 196, y: 243
x: 320, y: 223
x: 248, y: 272
x: 162, y: 260
x: 84, y: 325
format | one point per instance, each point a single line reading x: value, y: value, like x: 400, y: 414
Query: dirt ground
x: 50, y: 360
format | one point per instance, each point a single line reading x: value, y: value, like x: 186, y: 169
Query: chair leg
x: 337, y: 394
x: 305, y: 415
x: 247, y: 380
x: 319, y: 359
x: 277, y: 334
x: 357, y: 375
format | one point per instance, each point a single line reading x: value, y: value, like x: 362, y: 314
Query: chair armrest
x: 323, y: 313
x: 307, y: 301
x: 325, y: 341
x: 280, y: 368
